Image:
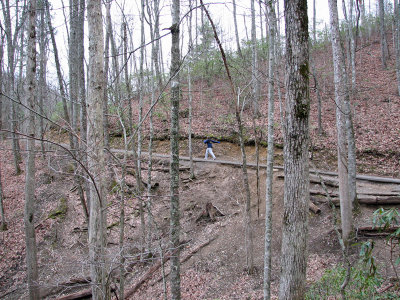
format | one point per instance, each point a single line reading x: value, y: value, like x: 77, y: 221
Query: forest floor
x: 213, y: 250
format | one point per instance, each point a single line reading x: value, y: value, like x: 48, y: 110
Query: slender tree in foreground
x: 29, y: 219
x: 270, y: 150
x: 396, y: 20
x: 175, y: 279
x: 95, y: 140
x: 296, y: 144
x: 384, y: 43
x: 3, y: 223
x: 343, y: 114
x: 12, y: 40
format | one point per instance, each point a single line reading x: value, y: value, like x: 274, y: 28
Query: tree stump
x: 210, y: 213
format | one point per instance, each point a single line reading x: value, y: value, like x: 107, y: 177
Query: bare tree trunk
x: 342, y: 108
x: 58, y: 67
x: 270, y: 150
x: 2, y: 85
x: 351, y: 45
x: 320, y: 129
x: 73, y: 71
x: 3, y: 224
x: 175, y: 279
x: 254, y: 64
x: 396, y: 20
x: 296, y: 144
x: 106, y: 70
x: 29, y: 220
x: 122, y: 269
x: 236, y: 28
x: 42, y: 75
x: 97, y: 228
x: 82, y: 96
x: 192, y: 176
x: 11, y: 38
x: 341, y: 92
x: 74, y: 57
x: 247, y: 215
x: 384, y: 44
x: 139, y: 139
x: 157, y: 48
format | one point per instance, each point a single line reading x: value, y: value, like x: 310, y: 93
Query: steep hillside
x: 213, y: 249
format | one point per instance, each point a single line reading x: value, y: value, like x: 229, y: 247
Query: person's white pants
x: 209, y: 151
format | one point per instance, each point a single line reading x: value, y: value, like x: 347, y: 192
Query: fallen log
x: 314, y: 179
x: 369, y: 200
x: 323, y: 193
x: 371, y: 231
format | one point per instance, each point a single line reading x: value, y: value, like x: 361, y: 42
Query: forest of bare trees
x: 89, y: 88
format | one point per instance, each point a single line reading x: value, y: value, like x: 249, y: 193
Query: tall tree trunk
x: 384, y: 43
x: 73, y: 71
x: 42, y: 75
x: 11, y: 39
x: 236, y: 28
x: 342, y: 109
x: 109, y: 39
x: 140, y: 117
x: 2, y: 85
x: 106, y: 70
x: 270, y: 150
x: 174, y: 168
x: 82, y: 96
x: 396, y: 20
x: 3, y: 224
x: 58, y: 68
x: 296, y: 144
x: 97, y: 228
x: 29, y: 219
x: 319, y: 107
x: 122, y: 269
x: 341, y: 92
x: 74, y: 60
x: 190, y: 95
x: 247, y: 215
x: 254, y: 59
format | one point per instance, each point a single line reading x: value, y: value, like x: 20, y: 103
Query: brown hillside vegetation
x: 213, y: 249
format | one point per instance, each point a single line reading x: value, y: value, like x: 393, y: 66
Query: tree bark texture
x: 254, y: 59
x: 29, y: 220
x: 247, y: 215
x: 270, y: 150
x: 296, y: 144
x: 11, y: 39
x: 58, y: 66
x: 384, y: 43
x: 341, y: 92
x: 95, y: 149
x: 2, y: 36
x: 3, y: 223
x: 396, y: 20
x: 175, y: 280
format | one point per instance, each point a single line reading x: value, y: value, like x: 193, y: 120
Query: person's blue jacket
x: 209, y: 142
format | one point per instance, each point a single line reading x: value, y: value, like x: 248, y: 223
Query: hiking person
x: 209, y: 142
